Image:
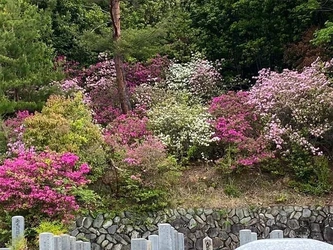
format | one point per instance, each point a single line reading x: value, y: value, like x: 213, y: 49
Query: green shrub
x: 309, y: 174
x: 65, y: 125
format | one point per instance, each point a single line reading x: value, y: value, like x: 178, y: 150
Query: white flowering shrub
x: 180, y: 126
x: 197, y: 77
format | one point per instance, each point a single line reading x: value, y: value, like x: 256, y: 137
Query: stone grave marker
x: 276, y: 234
x: 72, y: 243
x: 254, y: 236
x: 139, y: 244
x: 148, y: 245
x: 17, y: 227
x: 86, y: 245
x: 181, y: 241
x: 57, y: 243
x: 165, y: 233
x: 46, y: 241
x: 245, y: 236
x: 154, y: 242
x: 286, y: 244
x: 175, y: 239
x: 79, y: 245
x: 65, y: 241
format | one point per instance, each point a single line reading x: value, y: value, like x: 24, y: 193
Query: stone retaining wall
x: 222, y: 225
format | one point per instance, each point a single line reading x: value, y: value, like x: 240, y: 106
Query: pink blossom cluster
x: 143, y: 158
x: 146, y: 73
x: 238, y: 126
x: 204, y: 79
x: 297, y: 106
x: 98, y: 84
x: 126, y: 130
x: 146, y: 154
x: 42, y: 183
x: 15, y: 129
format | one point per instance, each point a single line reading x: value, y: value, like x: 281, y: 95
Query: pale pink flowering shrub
x: 297, y: 106
x: 42, y: 184
x: 144, y: 157
x: 238, y: 130
x: 14, y: 132
x: 149, y: 171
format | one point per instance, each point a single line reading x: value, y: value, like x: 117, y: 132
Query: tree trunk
x: 121, y: 86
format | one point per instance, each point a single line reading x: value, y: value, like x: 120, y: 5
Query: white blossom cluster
x: 181, y: 126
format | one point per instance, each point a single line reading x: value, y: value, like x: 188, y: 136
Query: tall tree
x: 115, y: 18
x: 26, y: 62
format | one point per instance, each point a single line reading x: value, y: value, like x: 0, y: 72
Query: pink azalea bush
x: 126, y: 130
x: 146, y: 73
x: 239, y: 130
x: 98, y: 83
x: 297, y: 106
x: 14, y: 129
x: 143, y: 158
x: 43, y: 184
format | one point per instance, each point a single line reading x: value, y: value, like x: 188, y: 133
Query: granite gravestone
x: 17, y: 227
x: 46, y: 241
x: 286, y: 244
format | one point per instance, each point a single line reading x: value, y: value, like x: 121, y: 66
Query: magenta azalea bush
x: 42, y: 184
x: 239, y: 130
x: 149, y: 73
x: 126, y: 130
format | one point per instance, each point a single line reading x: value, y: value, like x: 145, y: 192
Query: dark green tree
x: 251, y: 34
x: 26, y: 62
x: 76, y: 26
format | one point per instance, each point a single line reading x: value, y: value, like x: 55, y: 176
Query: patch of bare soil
x: 204, y: 186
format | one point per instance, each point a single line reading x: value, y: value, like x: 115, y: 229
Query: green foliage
x: 146, y: 189
x: 3, y: 139
x: 5, y: 227
x: 250, y: 35
x: 145, y: 199
x: 141, y: 44
x: 143, y: 13
x: 72, y: 22
x: 20, y: 243
x: 324, y: 35
x: 179, y: 41
x: 65, y: 125
x: 310, y: 174
x: 26, y: 62
x: 231, y: 189
x: 54, y: 227
x: 226, y: 164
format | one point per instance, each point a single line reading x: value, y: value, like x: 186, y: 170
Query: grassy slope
x: 202, y: 186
